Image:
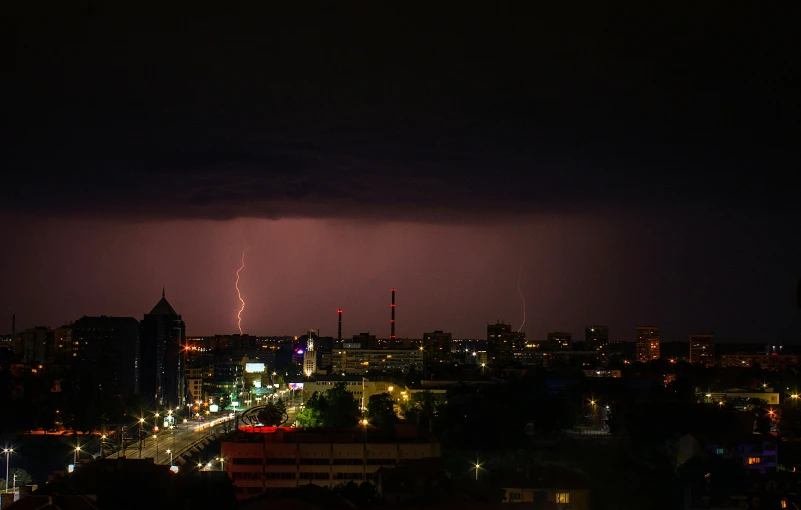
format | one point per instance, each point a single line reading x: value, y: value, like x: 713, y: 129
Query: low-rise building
x: 277, y: 458
x: 560, y: 487
x: 365, y: 361
x: 739, y: 397
x: 771, y: 361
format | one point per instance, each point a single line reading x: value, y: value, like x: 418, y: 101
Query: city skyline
x: 545, y: 336
x: 646, y: 182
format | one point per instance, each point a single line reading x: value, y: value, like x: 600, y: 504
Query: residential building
x: 62, y: 346
x: 755, y: 453
x: 647, y: 343
x: 365, y: 361
x: 740, y: 397
x: 596, y: 338
x: 162, y: 356
x: 702, y: 349
x: 560, y: 340
x: 38, y: 343
x: 771, y: 361
x: 437, y: 347
x: 503, y: 343
x: 105, y: 355
x: 549, y: 487
x: 272, y: 458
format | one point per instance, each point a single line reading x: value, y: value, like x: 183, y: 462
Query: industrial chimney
x: 339, y: 330
x: 392, y: 320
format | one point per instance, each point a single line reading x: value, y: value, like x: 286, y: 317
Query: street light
x: 477, y: 466
x: 170, y: 452
x: 8, y: 452
x: 156, y: 437
x: 75, y: 455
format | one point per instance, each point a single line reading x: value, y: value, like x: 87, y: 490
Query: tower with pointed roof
x: 162, y: 355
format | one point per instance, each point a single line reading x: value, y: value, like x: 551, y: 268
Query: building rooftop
x: 163, y: 307
x: 404, y: 432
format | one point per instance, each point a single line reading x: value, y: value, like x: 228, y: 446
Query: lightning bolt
x: 238, y: 292
x: 520, y: 291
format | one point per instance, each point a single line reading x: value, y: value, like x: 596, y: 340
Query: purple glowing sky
x: 578, y: 270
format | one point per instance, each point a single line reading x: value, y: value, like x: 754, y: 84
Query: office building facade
x: 162, y: 355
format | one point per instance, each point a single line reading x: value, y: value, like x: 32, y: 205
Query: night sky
x: 642, y: 162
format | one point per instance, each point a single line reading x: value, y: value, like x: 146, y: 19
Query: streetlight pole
x: 156, y: 437
x: 141, y: 422
x: 477, y: 466
x: 75, y: 455
x: 8, y: 452
x: 170, y: 452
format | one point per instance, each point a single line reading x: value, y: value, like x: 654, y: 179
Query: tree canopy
x: 381, y: 411
x: 335, y: 408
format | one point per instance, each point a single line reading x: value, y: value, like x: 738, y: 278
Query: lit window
x: 719, y: 451
x: 562, y: 497
x: 754, y: 460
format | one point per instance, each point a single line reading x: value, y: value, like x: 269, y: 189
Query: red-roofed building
x: 276, y: 458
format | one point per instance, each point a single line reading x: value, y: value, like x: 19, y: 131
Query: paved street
x: 177, y: 440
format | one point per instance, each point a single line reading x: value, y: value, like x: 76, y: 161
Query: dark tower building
x: 162, y: 341
x: 104, y: 358
x: 437, y: 347
x: 392, y: 320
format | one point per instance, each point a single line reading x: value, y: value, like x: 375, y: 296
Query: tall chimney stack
x: 339, y: 330
x: 13, y: 323
x: 392, y: 320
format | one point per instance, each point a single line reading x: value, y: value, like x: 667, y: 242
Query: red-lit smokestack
x: 392, y: 320
x: 339, y: 331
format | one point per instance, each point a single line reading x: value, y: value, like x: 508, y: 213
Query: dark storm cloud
x: 428, y: 115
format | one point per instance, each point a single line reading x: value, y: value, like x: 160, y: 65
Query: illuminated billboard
x: 296, y: 386
x: 214, y: 408
x: 254, y: 368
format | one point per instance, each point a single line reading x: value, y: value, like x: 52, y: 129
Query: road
x: 184, y: 436
x: 177, y: 440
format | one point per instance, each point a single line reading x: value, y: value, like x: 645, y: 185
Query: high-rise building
x: 560, y: 340
x: 162, y: 355
x: 503, y: 343
x: 702, y: 349
x: 38, y: 345
x: 104, y: 355
x: 437, y: 347
x: 63, y: 346
x: 596, y: 338
x: 647, y: 343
